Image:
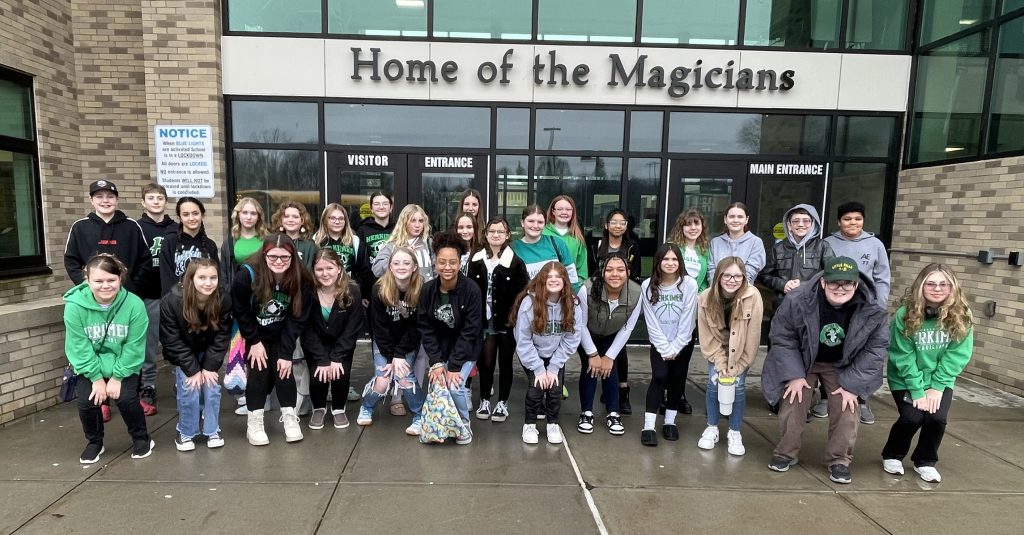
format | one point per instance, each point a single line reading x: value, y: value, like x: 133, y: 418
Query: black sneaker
x: 648, y: 437
x: 839, y: 473
x: 586, y: 423
x: 780, y: 464
x: 142, y: 449
x: 670, y: 432
x: 685, y: 407
x: 614, y: 424
x: 183, y: 443
x: 91, y: 453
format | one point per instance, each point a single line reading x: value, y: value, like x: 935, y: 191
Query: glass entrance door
x: 709, y: 186
x: 352, y: 176
x: 437, y: 182
x: 777, y: 187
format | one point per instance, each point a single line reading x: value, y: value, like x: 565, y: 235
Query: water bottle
x: 726, y: 394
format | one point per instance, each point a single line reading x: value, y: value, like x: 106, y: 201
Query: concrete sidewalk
x: 377, y: 480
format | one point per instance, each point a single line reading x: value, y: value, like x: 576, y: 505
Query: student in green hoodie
x: 932, y: 341
x: 563, y: 223
x: 106, y: 344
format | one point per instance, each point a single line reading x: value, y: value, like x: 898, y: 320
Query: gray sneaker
x: 340, y: 420
x: 352, y: 394
x: 316, y: 421
x: 820, y: 409
x: 867, y: 416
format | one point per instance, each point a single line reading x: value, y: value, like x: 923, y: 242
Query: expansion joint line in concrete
x: 586, y: 489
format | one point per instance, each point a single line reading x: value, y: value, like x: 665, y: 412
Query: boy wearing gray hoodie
x: 853, y: 241
x: 797, y: 257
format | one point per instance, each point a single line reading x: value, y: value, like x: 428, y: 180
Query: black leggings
x: 498, y: 351
x: 622, y: 366
x: 667, y: 375
x: 260, y: 382
x: 338, y: 387
x: 128, y: 404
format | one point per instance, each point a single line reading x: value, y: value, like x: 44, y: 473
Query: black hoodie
x: 154, y: 232
x: 371, y: 238
x: 177, y: 250
x: 121, y: 237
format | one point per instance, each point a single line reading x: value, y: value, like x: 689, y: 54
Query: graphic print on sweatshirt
x: 400, y: 312
x: 183, y: 257
x: 376, y: 242
x: 669, y: 308
x: 115, y: 332
x: 553, y: 328
x: 154, y: 250
x: 832, y: 335
x: 933, y: 339
x: 273, y: 311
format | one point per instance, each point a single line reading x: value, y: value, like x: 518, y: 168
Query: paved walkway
x: 376, y: 480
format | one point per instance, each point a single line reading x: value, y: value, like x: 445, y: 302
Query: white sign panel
x: 184, y: 160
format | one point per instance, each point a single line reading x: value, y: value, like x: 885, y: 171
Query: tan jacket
x: 731, y: 351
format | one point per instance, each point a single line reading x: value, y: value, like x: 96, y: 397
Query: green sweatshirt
x: 577, y: 250
x: 928, y: 360
x: 95, y: 354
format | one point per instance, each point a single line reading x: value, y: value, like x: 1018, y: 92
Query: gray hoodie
x: 871, y: 257
x: 748, y: 247
x: 789, y: 259
x: 553, y: 344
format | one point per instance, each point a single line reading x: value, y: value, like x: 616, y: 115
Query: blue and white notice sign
x: 184, y: 160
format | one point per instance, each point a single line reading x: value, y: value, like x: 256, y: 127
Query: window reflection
x: 792, y: 23
x: 483, y: 19
x: 691, y: 22
x: 407, y: 126
x: 288, y: 16
x: 607, y: 21
x: 274, y: 122
x: 579, y: 130
x: 594, y: 182
x: 273, y: 176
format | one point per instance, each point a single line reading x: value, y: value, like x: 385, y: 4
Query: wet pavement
x: 377, y: 480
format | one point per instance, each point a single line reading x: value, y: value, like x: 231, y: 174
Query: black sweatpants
x: 260, y: 382
x: 932, y: 427
x: 499, y: 348
x: 667, y: 375
x: 128, y: 405
x: 338, y: 387
x: 550, y: 400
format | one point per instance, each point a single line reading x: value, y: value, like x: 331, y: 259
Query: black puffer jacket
x: 509, y: 278
x: 182, y: 347
x: 788, y: 260
x: 795, y: 340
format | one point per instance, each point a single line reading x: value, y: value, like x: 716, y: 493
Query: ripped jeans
x: 412, y: 389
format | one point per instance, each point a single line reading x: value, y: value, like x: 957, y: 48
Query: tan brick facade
x: 104, y: 74
x: 957, y: 210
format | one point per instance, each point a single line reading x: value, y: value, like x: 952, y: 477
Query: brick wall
x: 956, y: 210
x: 105, y: 73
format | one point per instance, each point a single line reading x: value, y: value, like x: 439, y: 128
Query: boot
x: 624, y: 406
x: 254, y: 429
x: 292, y: 429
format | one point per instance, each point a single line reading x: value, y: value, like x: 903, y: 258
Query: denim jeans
x: 192, y: 402
x: 414, y: 394
x: 738, y: 405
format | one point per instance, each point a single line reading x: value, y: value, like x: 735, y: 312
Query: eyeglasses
x: 279, y: 258
x: 496, y: 232
x: 336, y: 219
x: 804, y: 222
x: 616, y: 223
x: 943, y: 286
x: 732, y: 278
x: 841, y: 285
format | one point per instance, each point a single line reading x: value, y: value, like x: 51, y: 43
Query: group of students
x: 441, y: 306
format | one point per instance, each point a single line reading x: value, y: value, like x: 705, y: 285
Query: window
x: 876, y: 25
x: 1006, y: 121
x: 407, y: 126
x: 406, y: 18
x: 483, y: 19
x: 513, y: 128
x: 579, y: 130
x: 691, y: 22
x: 942, y: 18
x: 792, y: 23
x: 948, y: 98
x: 598, y: 21
x: 594, y: 183
x: 861, y: 182
x: 273, y: 176
x: 513, y: 190
x: 748, y: 133
x: 865, y: 136
x: 21, y: 239
x: 645, y: 131
x: 286, y: 16
x: 274, y: 122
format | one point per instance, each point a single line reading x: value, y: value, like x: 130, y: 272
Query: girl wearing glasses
x: 336, y: 234
x: 669, y: 300
x: 270, y: 297
x: 932, y: 340
x: 616, y: 242
x: 500, y: 275
x: 729, y: 324
x: 562, y: 223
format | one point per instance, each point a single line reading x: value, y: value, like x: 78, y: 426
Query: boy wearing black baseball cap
x: 107, y: 230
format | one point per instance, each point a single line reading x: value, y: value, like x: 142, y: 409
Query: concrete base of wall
x: 31, y: 357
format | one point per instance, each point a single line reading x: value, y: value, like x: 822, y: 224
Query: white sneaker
x: 254, y: 430
x: 735, y: 443
x: 240, y: 400
x: 292, y: 429
x: 893, y: 466
x: 554, y: 434
x: 214, y: 441
x: 928, y: 473
x: 500, y: 413
x: 484, y: 412
x: 242, y: 410
x: 530, y: 434
x: 708, y: 438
